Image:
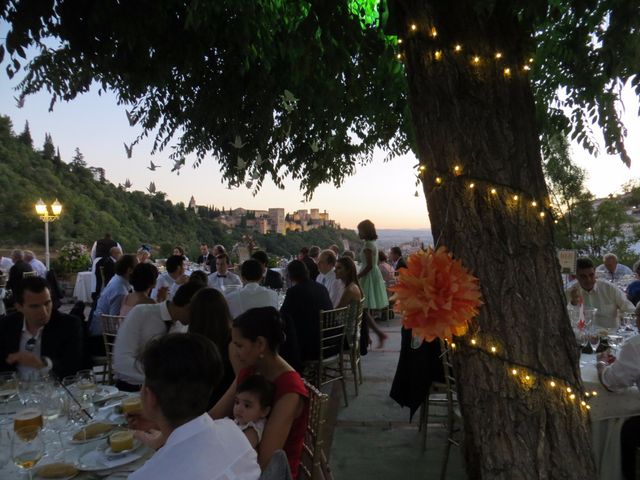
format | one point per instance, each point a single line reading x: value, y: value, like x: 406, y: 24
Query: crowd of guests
x: 201, y: 348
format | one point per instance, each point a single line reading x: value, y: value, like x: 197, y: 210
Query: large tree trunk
x: 478, y: 118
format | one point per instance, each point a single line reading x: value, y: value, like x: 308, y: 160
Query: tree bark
x: 477, y: 117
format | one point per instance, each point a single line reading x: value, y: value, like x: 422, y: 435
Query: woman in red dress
x: 255, y: 338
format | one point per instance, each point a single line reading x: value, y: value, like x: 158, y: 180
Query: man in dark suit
x: 395, y: 255
x: 206, y: 257
x: 303, y: 256
x: 302, y: 307
x: 270, y: 278
x: 37, y: 338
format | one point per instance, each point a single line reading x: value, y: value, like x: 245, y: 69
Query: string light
x: 458, y: 48
x: 476, y: 60
x: 526, y: 67
x: 493, y: 191
x: 400, y: 41
x: 542, y: 214
x: 456, y: 170
x: 526, y: 377
x: 515, y: 198
x: 531, y: 60
x: 507, y: 72
x: 438, y: 180
x: 399, y: 56
x: 534, y: 204
x: 422, y: 168
x: 471, y: 185
x: 498, y: 55
x: 437, y: 54
x: 414, y: 27
x: 434, y: 32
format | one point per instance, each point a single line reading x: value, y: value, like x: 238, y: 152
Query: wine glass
x: 86, y: 384
x: 27, y: 447
x: 8, y: 386
x: 594, y: 340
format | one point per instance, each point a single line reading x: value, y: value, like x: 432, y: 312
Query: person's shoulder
x: 13, y: 320
x: 62, y: 320
x: 290, y: 382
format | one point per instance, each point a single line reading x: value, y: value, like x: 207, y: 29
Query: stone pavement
x: 372, y: 437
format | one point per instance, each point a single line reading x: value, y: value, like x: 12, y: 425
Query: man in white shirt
x: 36, y: 264
x: 168, y: 282
x: 143, y: 323
x: 327, y: 276
x: 618, y: 374
x: 222, y: 278
x: 252, y: 295
x: 180, y: 374
x: 611, y: 269
x: 601, y: 294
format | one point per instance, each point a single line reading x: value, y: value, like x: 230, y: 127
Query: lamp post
x: 43, y: 212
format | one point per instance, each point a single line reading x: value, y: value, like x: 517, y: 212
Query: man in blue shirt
x: 110, y: 301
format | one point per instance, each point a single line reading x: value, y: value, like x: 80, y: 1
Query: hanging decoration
x: 436, y: 295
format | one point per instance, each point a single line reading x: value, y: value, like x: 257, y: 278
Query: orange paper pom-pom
x: 436, y: 295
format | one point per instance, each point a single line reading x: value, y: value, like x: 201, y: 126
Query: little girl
x: 254, y: 398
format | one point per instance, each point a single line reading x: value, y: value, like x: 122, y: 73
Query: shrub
x: 73, y: 257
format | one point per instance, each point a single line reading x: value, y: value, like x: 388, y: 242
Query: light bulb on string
x: 438, y: 180
x: 414, y: 27
x: 534, y: 204
x: 457, y: 48
x: 434, y: 32
x: 493, y: 191
x: 526, y: 67
x: 498, y: 55
x: 400, y: 41
x: 457, y: 170
x: 476, y: 60
x: 472, y: 185
x: 437, y: 55
x: 507, y: 72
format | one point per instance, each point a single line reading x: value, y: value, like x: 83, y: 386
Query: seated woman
x: 346, y: 272
x: 178, y: 250
x: 143, y: 279
x: 255, y: 338
x: 633, y: 289
x: 209, y: 316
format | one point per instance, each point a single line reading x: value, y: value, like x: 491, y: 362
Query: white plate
x: 61, y: 478
x: 98, y: 437
x: 105, y: 392
x: 96, y: 460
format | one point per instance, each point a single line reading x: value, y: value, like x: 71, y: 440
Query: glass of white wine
x: 86, y: 384
x: 27, y: 448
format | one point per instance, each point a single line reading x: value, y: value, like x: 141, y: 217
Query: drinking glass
x: 8, y: 386
x: 614, y: 341
x: 86, y: 384
x: 27, y: 448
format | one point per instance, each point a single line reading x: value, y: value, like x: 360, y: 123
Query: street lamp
x: 43, y: 212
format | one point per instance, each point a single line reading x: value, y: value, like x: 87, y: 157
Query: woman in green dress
x: 371, y: 281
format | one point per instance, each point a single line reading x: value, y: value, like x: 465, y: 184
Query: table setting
x: 68, y: 429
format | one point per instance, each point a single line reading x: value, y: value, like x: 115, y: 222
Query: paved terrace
x: 372, y: 437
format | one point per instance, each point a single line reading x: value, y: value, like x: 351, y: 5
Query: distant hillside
x: 92, y: 206
x: 388, y: 237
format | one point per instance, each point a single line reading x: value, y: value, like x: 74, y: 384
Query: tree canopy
x: 306, y: 88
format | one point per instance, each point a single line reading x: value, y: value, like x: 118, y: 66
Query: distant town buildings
x: 273, y: 220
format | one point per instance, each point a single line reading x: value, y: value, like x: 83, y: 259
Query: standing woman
x: 209, y: 316
x: 371, y: 282
x: 255, y: 338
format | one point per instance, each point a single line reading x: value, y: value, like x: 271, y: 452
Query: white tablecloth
x: 82, y: 289
x: 608, y: 412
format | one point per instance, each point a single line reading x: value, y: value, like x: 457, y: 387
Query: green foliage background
x: 93, y: 206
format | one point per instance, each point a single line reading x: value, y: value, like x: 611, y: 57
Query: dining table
x: 82, y: 288
x: 608, y: 412
x: 92, y: 458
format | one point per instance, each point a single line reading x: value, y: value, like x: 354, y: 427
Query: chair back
x: 313, y: 461
x: 354, y: 322
x: 332, y: 331
x: 110, y: 326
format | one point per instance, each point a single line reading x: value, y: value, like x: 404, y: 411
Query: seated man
x: 617, y: 374
x: 110, y: 301
x: 206, y: 257
x: 327, y: 276
x: 270, y: 278
x: 302, y: 307
x: 38, y: 267
x: 252, y: 295
x: 142, y: 324
x: 611, y: 269
x: 169, y: 281
x: 36, y: 337
x: 181, y: 371
x: 601, y: 294
x: 221, y: 277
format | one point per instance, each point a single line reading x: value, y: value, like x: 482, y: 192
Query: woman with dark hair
x: 178, y: 250
x: 209, y: 316
x: 371, y: 281
x: 142, y: 279
x: 346, y: 271
x: 256, y: 336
